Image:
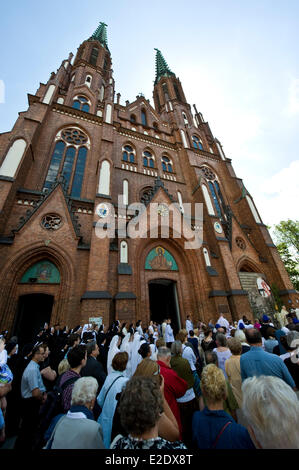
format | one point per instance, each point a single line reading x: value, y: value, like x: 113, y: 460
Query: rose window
x: 74, y: 136
x: 240, y: 243
x: 208, y: 173
x: 51, y: 222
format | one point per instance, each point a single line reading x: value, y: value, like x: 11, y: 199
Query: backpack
x: 51, y: 408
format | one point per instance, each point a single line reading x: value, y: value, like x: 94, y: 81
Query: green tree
x: 287, y: 237
x: 288, y: 232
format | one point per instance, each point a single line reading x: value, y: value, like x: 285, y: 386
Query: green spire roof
x: 100, y: 35
x: 162, y: 69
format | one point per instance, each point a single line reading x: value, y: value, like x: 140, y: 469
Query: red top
x: 174, y: 387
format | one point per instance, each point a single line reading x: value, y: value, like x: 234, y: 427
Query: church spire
x: 100, y: 35
x: 162, y: 69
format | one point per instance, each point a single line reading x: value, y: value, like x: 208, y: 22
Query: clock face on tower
x: 102, y: 210
x: 217, y: 227
x: 162, y: 210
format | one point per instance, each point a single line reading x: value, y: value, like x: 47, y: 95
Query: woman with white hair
x: 271, y: 409
x: 77, y: 429
x: 240, y: 335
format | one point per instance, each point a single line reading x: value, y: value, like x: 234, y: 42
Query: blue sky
x: 237, y: 61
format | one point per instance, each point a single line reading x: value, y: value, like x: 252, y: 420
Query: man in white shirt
x: 189, y: 324
x: 169, y: 338
x: 151, y: 328
x: 163, y: 329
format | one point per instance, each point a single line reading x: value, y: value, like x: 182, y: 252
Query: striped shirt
x: 67, y: 392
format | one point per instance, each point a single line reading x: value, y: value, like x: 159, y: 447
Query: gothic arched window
x: 68, y: 160
x: 128, y: 154
x: 125, y: 192
x: 214, y: 189
x: 82, y: 103
x: 197, y: 144
x: 123, y: 252
x: 148, y: 159
x: 186, y: 122
x: 177, y: 92
x: 143, y: 118
x: 13, y: 158
x: 167, y: 164
x: 94, y: 56
x: 104, y: 182
x: 165, y: 91
x: 88, y: 80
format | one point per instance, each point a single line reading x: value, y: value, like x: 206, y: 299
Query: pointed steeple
x: 162, y: 69
x: 100, y: 35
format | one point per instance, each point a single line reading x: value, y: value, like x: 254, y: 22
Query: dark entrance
x: 33, y: 311
x: 164, y: 302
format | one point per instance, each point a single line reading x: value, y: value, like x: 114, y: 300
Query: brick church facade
x: 62, y: 169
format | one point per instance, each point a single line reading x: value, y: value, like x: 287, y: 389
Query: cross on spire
x: 162, y: 68
x: 100, y: 35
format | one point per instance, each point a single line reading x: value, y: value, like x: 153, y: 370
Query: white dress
x: 126, y: 346
x: 135, y: 347
x: 113, y: 349
x: 189, y: 325
x: 169, y: 338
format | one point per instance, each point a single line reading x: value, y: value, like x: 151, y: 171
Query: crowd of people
x: 131, y: 386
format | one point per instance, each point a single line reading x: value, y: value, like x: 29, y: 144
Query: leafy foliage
x: 287, y: 236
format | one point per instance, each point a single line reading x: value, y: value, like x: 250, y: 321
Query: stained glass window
x: 81, y: 103
x: 55, y: 164
x: 196, y: 143
x: 167, y: 164
x: 68, y: 160
x: 148, y: 159
x: 128, y: 154
x: 215, y: 199
x: 79, y: 172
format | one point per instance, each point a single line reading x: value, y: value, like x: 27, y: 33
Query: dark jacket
x: 94, y: 368
x: 207, y: 426
x: 183, y: 369
x: 194, y: 343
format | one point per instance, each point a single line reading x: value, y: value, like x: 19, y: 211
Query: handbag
x: 220, y: 433
x: 108, y: 392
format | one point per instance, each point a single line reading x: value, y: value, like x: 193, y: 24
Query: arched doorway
x: 34, y: 310
x: 164, y: 302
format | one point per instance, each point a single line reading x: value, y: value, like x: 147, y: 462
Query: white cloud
x: 278, y: 196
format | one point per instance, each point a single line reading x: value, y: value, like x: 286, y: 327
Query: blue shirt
x: 207, y: 425
x: 31, y: 379
x: 1, y: 419
x: 258, y: 362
